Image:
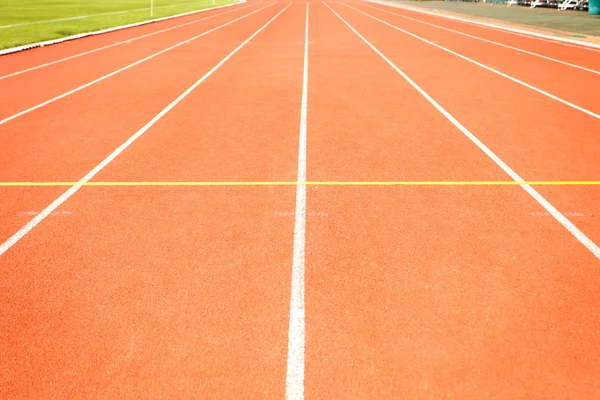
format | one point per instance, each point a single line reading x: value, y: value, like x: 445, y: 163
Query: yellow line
x: 310, y: 183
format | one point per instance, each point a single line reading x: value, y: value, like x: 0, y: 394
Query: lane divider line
x: 495, y: 71
x: 294, y: 378
x: 593, y: 71
x: 108, y: 30
x: 128, y: 40
x: 564, y: 221
x: 125, y: 68
x: 305, y: 183
x: 73, y: 189
x: 520, y: 32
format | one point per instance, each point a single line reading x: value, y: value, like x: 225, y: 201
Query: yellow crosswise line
x: 454, y: 183
x: 309, y: 183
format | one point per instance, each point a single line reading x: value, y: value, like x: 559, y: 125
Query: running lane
x: 64, y: 140
x: 185, y: 291
x: 558, y: 79
x: 540, y: 138
x: 27, y: 90
x: 429, y: 292
x: 42, y: 55
x: 573, y: 53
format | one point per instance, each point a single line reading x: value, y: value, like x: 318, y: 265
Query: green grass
x: 578, y: 22
x: 37, y: 13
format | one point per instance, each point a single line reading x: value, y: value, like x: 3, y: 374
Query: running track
x: 266, y: 290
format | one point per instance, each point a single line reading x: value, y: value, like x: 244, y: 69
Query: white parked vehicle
x: 568, y: 4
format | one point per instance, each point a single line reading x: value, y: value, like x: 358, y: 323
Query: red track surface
x: 411, y: 292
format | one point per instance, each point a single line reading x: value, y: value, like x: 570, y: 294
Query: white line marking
x: 490, y: 41
x: 522, y: 32
x: 294, y: 380
x: 122, y: 42
x: 73, y: 189
x: 108, y: 30
x: 564, y: 221
x: 572, y: 45
x: 46, y: 21
x: 77, y: 89
x: 520, y: 82
x: 308, y: 214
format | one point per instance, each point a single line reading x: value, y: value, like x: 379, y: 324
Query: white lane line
x: 294, y: 380
x: 47, y: 21
x: 30, y: 46
x: 73, y: 189
x: 521, y: 32
x: 77, y: 89
x: 541, y: 39
x: 520, y: 82
x: 490, y: 41
x: 564, y: 221
x: 118, y: 43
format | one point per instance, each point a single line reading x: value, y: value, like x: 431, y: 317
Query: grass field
x: 29, y: 21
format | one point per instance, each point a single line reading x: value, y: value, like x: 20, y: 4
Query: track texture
x: 415, y: 292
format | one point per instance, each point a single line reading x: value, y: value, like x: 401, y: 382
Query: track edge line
x: 32, y: 46
x: 490, y: 25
